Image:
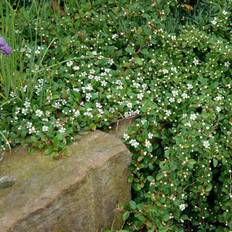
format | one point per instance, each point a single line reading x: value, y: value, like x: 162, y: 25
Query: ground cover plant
x: 166, y: 62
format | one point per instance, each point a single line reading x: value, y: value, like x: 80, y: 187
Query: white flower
x: 69, y: 63
x: 28, y: 124
x: 168, y: 112
x: 39, y: 113
x: 57, y: 104
x: 114, y: 36
x: 129, y: 105
x: 111, y: 61
x: 184, y: 115
x: 140, y: 96
x: 76, y: 90
x: 174, y: 69
x: 62, y: 130
x: 175, y: 93
x: 103, y: 83
x: 30, y: 127
x: 165, y: 71
x: 173, y: 37
x: 150, y: 135
x: 28, y: 55
x: 76, y: 113
x: 37, y: 52
x: 27, y: 104
x: 218, y: 109
x: 218, y: 98
x: 214, y: 21
x: 196, y: 61
x: 143, y: 121
x: 89, y: 87
x: 182, y: 207
x: 184, y: 95
x: 206, y: 144
x: 17, y: 110
x: 24, y: 111
x: 171, y: 99
x: 13, y: 94
x: 134, y: 143
x: 188, y: 124
x: 76, y: 68
x: 88, y: 112
x: 147, y: 143
x: 44, y: 128
x: 193, y: 116
x: 31, y: 130
x: 98, y: 105
x: 126, y: 136
x: 227, y: 64
x: 88, y: 96
x: 189, y: 86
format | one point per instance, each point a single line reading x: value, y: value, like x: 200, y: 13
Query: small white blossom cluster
x: 39, y: 113
x: 39, y: 86
x: 59, y: 103
x: 30, y: 127
x: 26, y: 108
x: 134, y: 143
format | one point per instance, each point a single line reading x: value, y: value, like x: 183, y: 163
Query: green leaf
x: 140, y: 217
x: 150, y: 178
x: 136, y: 186
x: 215, y: 162
x: 130, y: 50
x: 209, y: 188
x: 130, y: 179
x: 159, y: 176
x: 191, y: 163
x: 133, y: 205
x: 138, y: 61
x: 126, y: 215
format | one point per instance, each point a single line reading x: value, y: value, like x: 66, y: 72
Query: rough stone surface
x: 118, y: 129
x: 74, y: 194
x: 6, y: 181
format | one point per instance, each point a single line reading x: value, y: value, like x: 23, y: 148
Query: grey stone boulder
x: 80, y: 192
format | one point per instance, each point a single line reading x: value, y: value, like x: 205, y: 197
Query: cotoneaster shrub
x: 181, y: 146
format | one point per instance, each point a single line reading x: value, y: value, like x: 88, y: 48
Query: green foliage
x: 13, y: 67
x: 7, y: 64
x: 181, y: 168
x: 169, y: 62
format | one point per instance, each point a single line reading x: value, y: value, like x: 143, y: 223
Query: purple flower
x: 4, y: 47
x: 2, y: 42
x: 6, y: 50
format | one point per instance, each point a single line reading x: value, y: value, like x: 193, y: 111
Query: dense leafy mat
x: 168, y: 63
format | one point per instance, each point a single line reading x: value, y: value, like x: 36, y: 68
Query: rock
x: 6, y: 181
x: 1, y: 157
x: 78, y: 193
x: 121, y: 126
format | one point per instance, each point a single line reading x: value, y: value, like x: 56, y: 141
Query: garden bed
x: 165, y: 63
